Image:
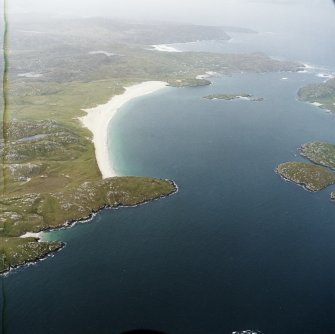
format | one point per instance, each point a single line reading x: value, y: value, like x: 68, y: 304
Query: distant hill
x: 125, y: 32
x: 239, y: 30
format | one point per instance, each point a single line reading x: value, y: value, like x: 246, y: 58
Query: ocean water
x: 236, y: 248
x: 314, y: 51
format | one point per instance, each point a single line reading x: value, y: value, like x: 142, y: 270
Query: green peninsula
x: 230, y: 97
x: 319, y: 153
x: 310, y: 176
x: 49, y: 174
x: 322, y: 95
x: 189, y: 82
x: 42, y: 211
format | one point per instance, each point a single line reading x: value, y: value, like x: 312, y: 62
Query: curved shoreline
x: 302, y: 185
x: 98, y: 119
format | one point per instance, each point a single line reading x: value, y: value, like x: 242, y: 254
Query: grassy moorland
x: 48, y: 210
x: 49, y: 174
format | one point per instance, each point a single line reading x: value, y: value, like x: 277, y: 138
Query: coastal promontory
x: 321, y: 95
x: 320, y: 153
x: 189, y: 82
x: 36, y: 212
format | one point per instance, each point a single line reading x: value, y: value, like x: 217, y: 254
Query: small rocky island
x: 316, y: 174
x: 320, y: 171
x: 230, y: 97
x: 310, y: 176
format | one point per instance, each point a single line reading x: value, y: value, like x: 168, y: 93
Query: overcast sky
x: 250, y: 13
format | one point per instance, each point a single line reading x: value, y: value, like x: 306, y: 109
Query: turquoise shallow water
x: 236, y: 248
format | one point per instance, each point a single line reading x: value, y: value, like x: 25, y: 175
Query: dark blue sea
x: 236, y: 248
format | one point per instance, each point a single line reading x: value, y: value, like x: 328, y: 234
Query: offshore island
x: 67, y: 79
x: 316, y: 174
x: 231, y: 97
x: 319, y: 172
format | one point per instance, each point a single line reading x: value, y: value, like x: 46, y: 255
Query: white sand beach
x: 31, y: 235
x: 98, y: 118
x: 325, y: 75
x: 165, y: 48
x: 101, y: 52
x: 207, y: 75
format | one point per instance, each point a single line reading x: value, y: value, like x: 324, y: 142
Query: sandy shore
x: 207, y: 75
x: 317, y: 104
x: 165, y: 48
x: 98, y: 118
x: 32, y: 235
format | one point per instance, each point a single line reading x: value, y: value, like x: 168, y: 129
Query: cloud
x: 258, y: 14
